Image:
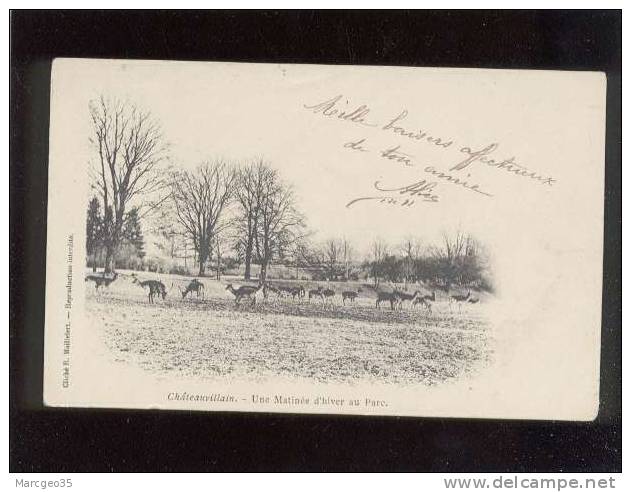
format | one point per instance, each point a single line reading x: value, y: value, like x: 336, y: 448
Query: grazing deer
x: 316, y: 293
x: 407, y: 297
x: 155, y: 287
x: 328, y: 294
x: 298, y: 292
x: 392, y: 297
x: 273, y: 290
x: 193, y: 286
x: 351, y: 295
x: 459, y: 299
x: 473, y: 300
x: 248, y: 291
x: 282, y: 291
x: 101, y: 281
x: 285, y: 291
x: 426, y: 300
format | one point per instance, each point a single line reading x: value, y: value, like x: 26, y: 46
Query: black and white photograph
x: 297, y: 238
x: 315, y: 241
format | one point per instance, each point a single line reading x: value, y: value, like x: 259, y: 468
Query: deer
x: 101, y: 281
x: 426, y: 300
x: 392, y: 297
x: 273, y: 290
x: 285, y: 291
x: 328, y: 294
x: 351, y: 295
x: 282, y: 291
x: 473, y: 300
x: 193, y: 286
x: 459, y: 299
x: 298, y: 292
x: 155, y: 287
x: 248, y: 291
x: 407, y: 297
x: 316, y: 293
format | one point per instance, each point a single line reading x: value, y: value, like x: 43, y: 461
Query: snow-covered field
x: 211, y: 336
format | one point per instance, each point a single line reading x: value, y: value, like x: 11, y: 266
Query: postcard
x: 325, y: 239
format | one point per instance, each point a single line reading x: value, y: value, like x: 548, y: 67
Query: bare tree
x: 411, y: 249
x: 251, y: 181
x: 279, y: 224
x: 348, y: 253
x: 334, y: 258
x: 305, y: 255
x: 332, y: 252
x: 200, y: 199
x: 378, y: 252
x: 449, y: 255
x: 131, y: 150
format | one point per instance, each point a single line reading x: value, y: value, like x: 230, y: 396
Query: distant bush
x: 179, y: 270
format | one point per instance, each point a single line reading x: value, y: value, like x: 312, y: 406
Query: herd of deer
x: 298, y: 292
x: 396, y: 298
x: 156, y: 288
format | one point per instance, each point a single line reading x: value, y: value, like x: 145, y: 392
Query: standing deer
x: 244, y: 291
x: 392, y: 297
x: 426, y: 300
x: 316, y: 293
x: 285, y: 291
x: 351, y: 295
x: 155, y: 287
x: 328, y: 294
x: 273, y: 290
x: 298, y: 292
x: 193, y: 286
x: 459, y: 299
x: 101, y: 281
x: 407, y: 297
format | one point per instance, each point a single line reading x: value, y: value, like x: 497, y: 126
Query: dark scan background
x: 78, y: 440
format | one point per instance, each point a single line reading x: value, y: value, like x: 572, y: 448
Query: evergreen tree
x: 94, y: 229
x: 132, y: 232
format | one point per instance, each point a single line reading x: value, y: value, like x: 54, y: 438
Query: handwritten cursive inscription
x: 405, y: 196
x: 456, y: 181
x: 339, y: 108
x: 508, y: 165
x: 396, y: 154
x: 332, y: 108
x: 415, y: 135
x: 356, y: 145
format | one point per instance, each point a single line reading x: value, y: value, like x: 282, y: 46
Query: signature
x: 404, y: 196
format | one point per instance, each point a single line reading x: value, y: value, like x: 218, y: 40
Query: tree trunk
x: 203, y: 255
x: 110, y: 260
x: 218, y: 261
x: 263, y: 274
x: 248, y: 259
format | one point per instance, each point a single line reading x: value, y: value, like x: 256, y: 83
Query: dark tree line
x: 457, y: 260
x: 131, y: 243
